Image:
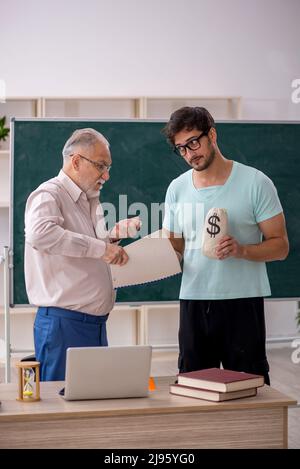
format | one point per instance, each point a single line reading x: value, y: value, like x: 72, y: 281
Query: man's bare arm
x: 177, y: 242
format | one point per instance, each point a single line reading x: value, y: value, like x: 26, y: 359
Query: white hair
x: 82, y: 138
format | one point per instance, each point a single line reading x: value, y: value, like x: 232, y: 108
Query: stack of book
x: 215, y: 384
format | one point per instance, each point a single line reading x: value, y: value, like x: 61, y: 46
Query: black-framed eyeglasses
x: 193, y: 144
x: 102, y: 167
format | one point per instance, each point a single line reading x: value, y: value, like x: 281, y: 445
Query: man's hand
x: 115, y: 255
x: 127, y: 228
x: 274, y: 247
x: 229, y: 247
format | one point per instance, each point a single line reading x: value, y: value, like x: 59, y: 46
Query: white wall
x: 157, y: 47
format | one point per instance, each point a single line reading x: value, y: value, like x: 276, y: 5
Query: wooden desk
x: 160, y: 421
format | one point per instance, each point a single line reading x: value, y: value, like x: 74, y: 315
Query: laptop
x: 107, y: 372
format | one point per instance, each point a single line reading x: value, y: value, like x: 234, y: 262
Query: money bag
x: 215, y: 227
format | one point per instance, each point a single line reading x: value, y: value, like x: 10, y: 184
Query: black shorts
x: 228, y: 332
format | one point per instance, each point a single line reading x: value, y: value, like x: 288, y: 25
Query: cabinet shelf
x: 221, y: 107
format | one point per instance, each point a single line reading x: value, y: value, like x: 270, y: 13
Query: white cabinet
x: 98, y: 108
x: 221, y: 107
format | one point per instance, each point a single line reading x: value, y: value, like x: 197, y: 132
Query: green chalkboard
x: 143, y: 167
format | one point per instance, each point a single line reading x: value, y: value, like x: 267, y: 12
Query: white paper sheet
x: 150, y: 258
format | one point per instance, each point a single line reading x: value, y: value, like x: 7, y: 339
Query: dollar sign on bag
x: 215, y: 229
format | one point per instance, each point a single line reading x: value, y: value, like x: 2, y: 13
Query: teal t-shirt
x: 249, y: 197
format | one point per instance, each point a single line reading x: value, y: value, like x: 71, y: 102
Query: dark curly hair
x: 188, y: 118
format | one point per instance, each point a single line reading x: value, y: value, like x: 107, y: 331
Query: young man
x: 221, y: 300
x: 67, y: 252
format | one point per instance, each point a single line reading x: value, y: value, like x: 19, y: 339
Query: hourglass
x: 29, y: 381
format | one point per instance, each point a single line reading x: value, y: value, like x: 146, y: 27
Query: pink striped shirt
x: 65, y: 238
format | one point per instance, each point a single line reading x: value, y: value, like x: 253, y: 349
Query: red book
x: 210, y: 395
x: 216, y: 379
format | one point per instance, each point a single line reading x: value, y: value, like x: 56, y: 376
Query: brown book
x: 210, y: 395
x: 216, y: 379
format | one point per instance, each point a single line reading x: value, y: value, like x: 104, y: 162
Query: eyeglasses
x: 193, y: 144
x: 102, y: 167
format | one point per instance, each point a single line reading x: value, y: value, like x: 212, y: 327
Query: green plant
x: 4, y: 131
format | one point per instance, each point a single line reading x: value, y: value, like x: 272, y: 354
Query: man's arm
x: 44, y: 231
x: 177, y: 242
x: 127, y: 228
x: 274, y: 247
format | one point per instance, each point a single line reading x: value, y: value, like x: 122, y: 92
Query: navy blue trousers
x: 56, y: 329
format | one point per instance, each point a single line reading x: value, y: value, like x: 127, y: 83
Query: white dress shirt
x: 65, y: 238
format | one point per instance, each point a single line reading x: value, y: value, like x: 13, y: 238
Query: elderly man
x: 67, y: 252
